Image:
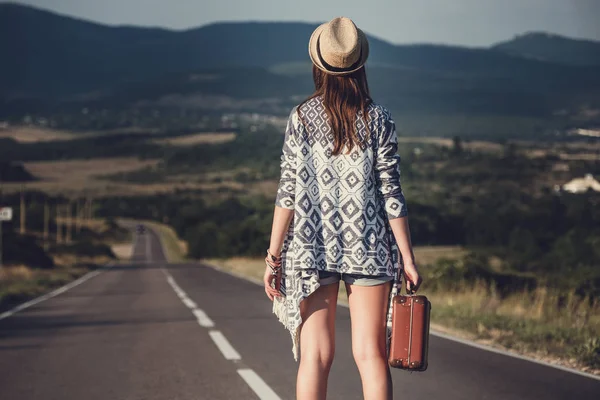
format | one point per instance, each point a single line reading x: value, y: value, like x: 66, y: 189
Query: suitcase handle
x: 408, y: 293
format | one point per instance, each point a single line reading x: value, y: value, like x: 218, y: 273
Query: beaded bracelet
x: 274, y: 258
x: 274, y: 263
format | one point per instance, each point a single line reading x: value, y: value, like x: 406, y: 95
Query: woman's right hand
x: 272, y: 284
x: 412, y: 278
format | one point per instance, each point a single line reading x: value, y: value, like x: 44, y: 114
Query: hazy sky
x: 466, y: 22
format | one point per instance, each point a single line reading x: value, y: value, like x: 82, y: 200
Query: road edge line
x: 55, y: 292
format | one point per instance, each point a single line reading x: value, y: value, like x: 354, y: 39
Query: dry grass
x: 175, y: 248
x: 198, y: 138
x: 35, y: 134
x: 246, y: 266
x: 474, y: 145
x: 430, y: 254
x: 122, y: 251
x: 74, y: 177
x: 98, y: 226
x: 15, y: 272
x: 536, y: 323
x: 68, y: 260
x: 264, y: 188
x: 28, y: 134
x: 580, y: 157
x: 83, y: 170
x: 19, y: 283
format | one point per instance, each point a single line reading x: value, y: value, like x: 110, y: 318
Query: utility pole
x: 22, y: 210
x: 46, y: 225
x: 1, y: 246
x: 68, y: 222
x: 85, y: 212
x: 1, y: 233
x: 91, y: 208
x: 1, y: 237
x: 78, y: 216
x: 58, y: 231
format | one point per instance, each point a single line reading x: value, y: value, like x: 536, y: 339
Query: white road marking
x: 180, y: 293
x: 514, y: 355
x: 252, y: 379
x: 203, y: 319
x: 262, y: 390
x: 189, y: 302
x: 223, y: 344
x: 53, y: 293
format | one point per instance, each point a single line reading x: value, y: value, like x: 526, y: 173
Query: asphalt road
x: 149, y: 330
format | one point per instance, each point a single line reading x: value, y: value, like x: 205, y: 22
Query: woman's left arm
x: 285, y: 200
x: 284, y: 203
x: 281, y: 222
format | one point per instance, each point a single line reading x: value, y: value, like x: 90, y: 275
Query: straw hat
x: 338, y: 47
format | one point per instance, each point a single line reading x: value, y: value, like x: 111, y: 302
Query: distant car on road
x: 140, y: 229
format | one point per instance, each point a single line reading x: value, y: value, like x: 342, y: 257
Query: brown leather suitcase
x: 409, y: 345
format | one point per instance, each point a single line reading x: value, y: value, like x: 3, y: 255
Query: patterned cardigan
x: 342, y: 205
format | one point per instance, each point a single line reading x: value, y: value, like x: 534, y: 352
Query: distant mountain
x: 45, y: 53
x: 46, y: 57
x: 553, y: 48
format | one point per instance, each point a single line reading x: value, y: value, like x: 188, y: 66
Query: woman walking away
x: 340, y: 215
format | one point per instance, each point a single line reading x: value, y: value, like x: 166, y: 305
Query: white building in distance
x: 582, y: 185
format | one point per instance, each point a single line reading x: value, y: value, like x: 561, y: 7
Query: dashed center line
x: 203, y: 319
x: 189, y: 303
x: 252, y: 379
x: 262, y: 390
x: 223, y: 344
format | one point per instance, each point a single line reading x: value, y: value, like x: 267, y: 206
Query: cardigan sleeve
x: 387, y: 170
x: 286, y: 196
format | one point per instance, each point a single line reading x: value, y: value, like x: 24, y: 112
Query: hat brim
x: 313, y: 52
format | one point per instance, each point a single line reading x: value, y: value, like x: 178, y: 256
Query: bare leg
x: 317, y: 342
x: 368, y: 307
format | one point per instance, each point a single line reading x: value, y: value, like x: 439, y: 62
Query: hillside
x: 64, y: 55
x: 71, y: 63
x: 553, y: 48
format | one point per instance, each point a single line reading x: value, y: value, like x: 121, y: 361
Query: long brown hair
x: 344, y: 96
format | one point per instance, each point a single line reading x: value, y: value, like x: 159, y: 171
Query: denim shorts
x: 328, y: 277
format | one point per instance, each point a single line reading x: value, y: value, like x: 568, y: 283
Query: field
x: 197, y: 139
x: 35, y: 134
x: 477, y: 145
x: 72, y: 177
x: 28, y: 134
